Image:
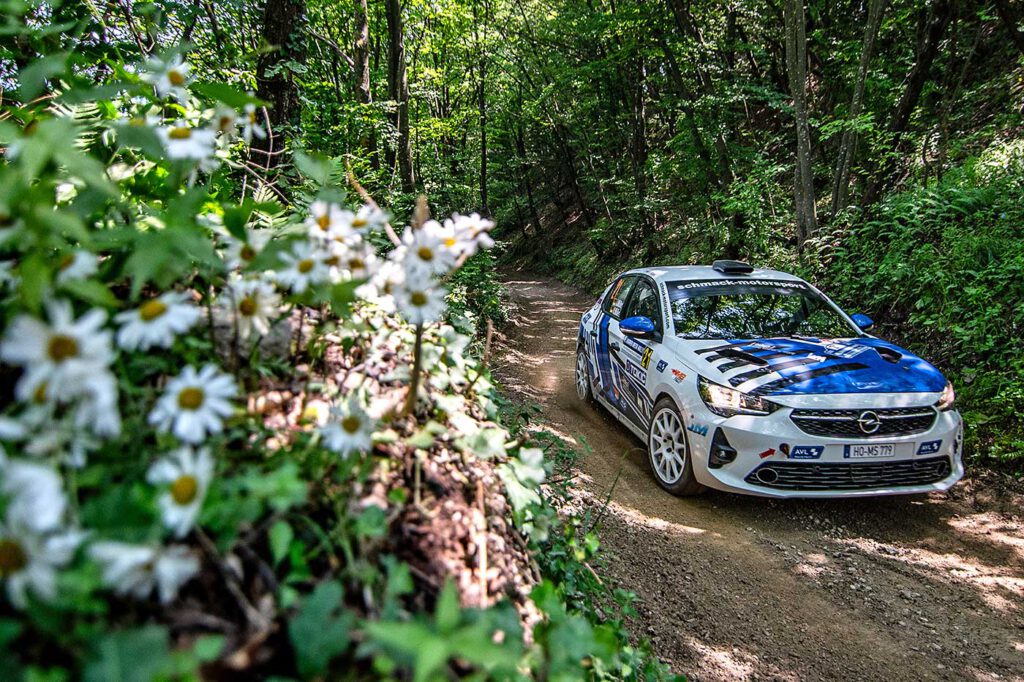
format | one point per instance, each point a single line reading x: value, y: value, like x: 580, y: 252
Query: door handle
x: 614, y: 345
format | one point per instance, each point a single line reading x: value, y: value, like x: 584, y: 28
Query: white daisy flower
x: 137, y: 569
x: 97, y: 409
x: 157, y: 321
x: 225, y: 120
x: 68, y: 355
x: 239, y: 254
x: 186, y: 473
x: 253, y: 303
x: 29, y: 563
x: 368, y: 218
x: 169, y: 78
x: 191, y: 144
x: 349, y: 429
x: 77, y: 265
x: 420, y: 303
x: 472, y: 232
x: 423, y: 251
x: 305, y: 267
x: 250, y: 124
x: 194, y: 404
x: 353, y: 261
x: 35, y: 495
x: 329, y: 222
x: 380, y: 289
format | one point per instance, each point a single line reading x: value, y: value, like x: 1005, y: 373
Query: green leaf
x: 320, y: 630
x: 91, y: 292
x: 372, y: 522
x: 208, y: 647
x: 447, y: 612
x: 222, y: 92
x: 281, y: 535
x: 130, y: 656
x: 34, y: 76
x: 281, y: 489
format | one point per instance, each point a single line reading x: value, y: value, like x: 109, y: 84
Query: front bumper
x: 772, y: 456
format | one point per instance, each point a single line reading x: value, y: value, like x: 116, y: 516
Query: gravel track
x: 732, y: 587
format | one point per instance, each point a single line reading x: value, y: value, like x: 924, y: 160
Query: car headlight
x: 947, y: 398
x: 727, y: 402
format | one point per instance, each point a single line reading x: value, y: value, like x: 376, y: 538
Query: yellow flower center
x: 425, y: 253
x: 150, y: 310
x: 12, y: 558
x: 332, y: 261
x: 62, y: 347
x: 247, y: 253
x: 305, y: 266
x: 252, y: 118
x: 356, y: 264
x: 351, y: 424
x: 418, y: 299
x: 6, y: 219
x: 176, y: 78
x: 225, y: 122
x: 324, y: 221
x: 359, y: 222
x: 191, y: 398
x: 185, y: 489
x: 450, y: 242
x: 66, y: 261
x: 180, y: 133
x: 247, y: 306
x: 39, y: 395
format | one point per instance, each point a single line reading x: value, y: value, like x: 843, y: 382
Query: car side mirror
x: 863, y: 321
x: 638, y: 326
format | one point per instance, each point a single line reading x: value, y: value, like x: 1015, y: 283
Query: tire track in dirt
x: 733, y: 587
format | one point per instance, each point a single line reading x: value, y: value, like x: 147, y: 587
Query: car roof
x: 689, y: 273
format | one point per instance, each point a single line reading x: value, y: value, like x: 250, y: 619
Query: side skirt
x: 637, y: 431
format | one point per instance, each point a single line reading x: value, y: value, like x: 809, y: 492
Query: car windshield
x: 753, y: 309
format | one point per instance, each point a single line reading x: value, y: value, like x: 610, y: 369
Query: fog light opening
x: 767, y: 475
x: 721, y: 453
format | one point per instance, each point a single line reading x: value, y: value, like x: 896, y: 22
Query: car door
x: 606, y: 338
x: 631, y: 357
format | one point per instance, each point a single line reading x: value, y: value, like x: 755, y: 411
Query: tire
x: 668, y: 451
x: 582, y: 377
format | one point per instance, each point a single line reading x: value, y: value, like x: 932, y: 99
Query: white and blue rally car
x: 753, y: 381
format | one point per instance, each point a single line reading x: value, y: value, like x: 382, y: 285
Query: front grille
x: 895, y: 421
x: 849, y: 476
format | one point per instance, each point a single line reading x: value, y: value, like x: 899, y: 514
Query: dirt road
x: 732, y: 587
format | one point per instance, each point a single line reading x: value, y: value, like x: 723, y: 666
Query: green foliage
x: 941, y: 269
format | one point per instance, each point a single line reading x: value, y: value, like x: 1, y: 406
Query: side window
x: 616, y: 299
x: 645, y: 302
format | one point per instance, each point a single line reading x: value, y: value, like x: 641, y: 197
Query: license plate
x: 869, y: 450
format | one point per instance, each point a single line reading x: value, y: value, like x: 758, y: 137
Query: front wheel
x: 669, y: 451
x: 583, y: 376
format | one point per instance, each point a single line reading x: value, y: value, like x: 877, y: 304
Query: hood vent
x: 889, y: 354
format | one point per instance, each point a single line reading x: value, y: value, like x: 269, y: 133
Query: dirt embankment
x: 732, y: 587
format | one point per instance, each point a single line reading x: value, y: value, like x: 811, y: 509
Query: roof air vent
x: 732, y: 267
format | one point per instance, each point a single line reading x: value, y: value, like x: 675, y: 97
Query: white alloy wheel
x: 583, y: 376
x: 667, y: 446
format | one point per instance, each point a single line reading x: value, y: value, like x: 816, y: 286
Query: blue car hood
x: 788, y: 366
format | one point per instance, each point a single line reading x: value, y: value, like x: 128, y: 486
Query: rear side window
x: 616, y: 299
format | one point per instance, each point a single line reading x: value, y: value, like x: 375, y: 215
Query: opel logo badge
x: 869, y: 422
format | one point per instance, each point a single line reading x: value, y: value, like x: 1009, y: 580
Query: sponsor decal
x: 586, y: 318
x: 699, y: 429
x: 767, y: 453
x: 633, y: 344
x: 844, y: 350
x: 929, y: 447
x: 636, y: 372
x: 645, y: 359
x: 740, y: 283
x: 662, y: 365
x: 806, y: 451
x: 800, y: 377
x: 679, y: 376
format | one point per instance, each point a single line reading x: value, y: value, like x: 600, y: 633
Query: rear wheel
x: 583, y: 376
x: 668, y: 451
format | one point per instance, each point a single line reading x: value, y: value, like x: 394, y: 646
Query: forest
x: 251, y: 289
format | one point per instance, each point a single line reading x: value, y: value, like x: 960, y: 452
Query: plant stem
x: 414, y: 384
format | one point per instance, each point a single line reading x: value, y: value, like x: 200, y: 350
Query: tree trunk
x: 935, y: 23
x: 1006, y: 15
x: 283, y: 25
x: 796, y: 66
x: 482, y: 108
x: 364, y: 92
x: 398, y: 93
x: 848, y: 144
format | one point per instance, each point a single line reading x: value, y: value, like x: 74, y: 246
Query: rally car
x: 753, y: 381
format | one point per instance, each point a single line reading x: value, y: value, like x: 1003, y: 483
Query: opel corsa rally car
x: 753, y: 381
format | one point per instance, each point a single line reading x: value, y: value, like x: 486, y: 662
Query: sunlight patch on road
x: 732, y: 663
x: 812, y: 565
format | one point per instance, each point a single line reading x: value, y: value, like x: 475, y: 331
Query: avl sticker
x: 806, y: 451
x: 929, y: 447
